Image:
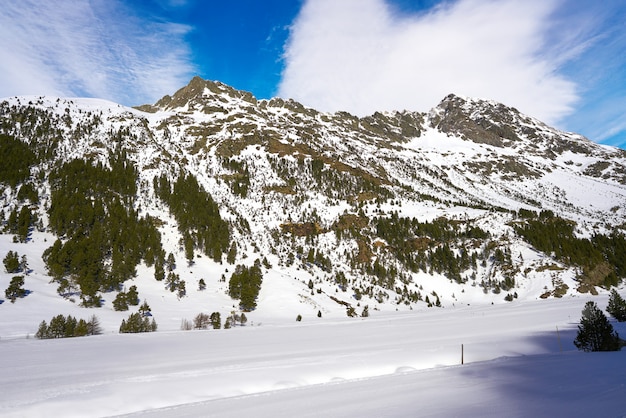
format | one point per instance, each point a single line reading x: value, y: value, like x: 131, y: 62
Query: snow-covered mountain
x: 345, y: 215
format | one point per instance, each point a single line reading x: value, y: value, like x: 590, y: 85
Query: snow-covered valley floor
x: 389, y: 365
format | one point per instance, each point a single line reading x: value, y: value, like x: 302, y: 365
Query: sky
x: 561, y: 61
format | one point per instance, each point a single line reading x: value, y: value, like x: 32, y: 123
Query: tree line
x: 197, y: 214
x: 104, y: 239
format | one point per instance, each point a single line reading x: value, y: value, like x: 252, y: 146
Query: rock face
x: 389, y: 210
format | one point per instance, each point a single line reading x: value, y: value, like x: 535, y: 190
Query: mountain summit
x: 470, y: 202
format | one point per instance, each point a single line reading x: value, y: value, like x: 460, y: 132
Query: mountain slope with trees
x: 211, y: 193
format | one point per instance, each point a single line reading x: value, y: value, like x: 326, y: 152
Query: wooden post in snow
x: 462, y: 360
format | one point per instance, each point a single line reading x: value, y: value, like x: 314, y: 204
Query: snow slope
x: 519, y: 361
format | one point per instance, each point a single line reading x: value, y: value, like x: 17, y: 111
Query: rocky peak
x: 201, y: 95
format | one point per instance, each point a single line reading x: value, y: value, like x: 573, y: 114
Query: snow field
x: 402, y: 364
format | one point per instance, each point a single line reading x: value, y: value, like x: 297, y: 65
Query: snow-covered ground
x: 402, y: 361
x: 519, y: 361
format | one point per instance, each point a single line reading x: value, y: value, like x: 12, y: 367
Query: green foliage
x: 201, y: 285
x: 174, y: 284
x: 17, y: 158
x: 16, y: 289
x: 240, y: 180
x: 19, y: 223
x: 12, y: 262
x: 554, y: 235
x: 197, y: 214
x: 617, y: 306
x: 216, y: 321
x: 120, y: 303
x: 298, y: 318
x: 595, y: 333
x: 245, y: 284
x: 92, y: 208
x: 28, y: 192
x: 132, y: 296
x: 64, y: 327
x: 441, y: 246
x: 137, y: 323
x: 231, y: 257
x: 189, y: 250
x: 144, y: 309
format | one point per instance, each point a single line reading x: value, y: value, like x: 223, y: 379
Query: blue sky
x: 562, y: 61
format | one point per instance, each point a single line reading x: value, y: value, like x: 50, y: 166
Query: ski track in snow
x: 391, y: 365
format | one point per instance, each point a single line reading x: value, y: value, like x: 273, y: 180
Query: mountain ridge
x: 354, y: 211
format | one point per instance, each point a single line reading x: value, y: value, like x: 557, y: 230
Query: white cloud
x: 97, y: 48
x: 362, y: 56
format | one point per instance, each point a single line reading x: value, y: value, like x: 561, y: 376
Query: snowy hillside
x: 519, y: 361
x: 350, y: 257
x: 343, y: 216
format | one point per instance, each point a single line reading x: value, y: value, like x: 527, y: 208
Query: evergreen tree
x: 216, y: 320
x: 42, y: 331
x: 132, y: 296
x: 231, y: 257
x: 188, y: 243
x: 120, y: 303
x: 62, y: 327
x: 181, y: 289
x: 144, y: 309
x: 70, y: 326
x: 24, y: 264
x: 15, y: 289
x: 245, y: 284
x: 595, y: 333
x: 136, y: 323
x: 56, y: 329
x: 159, y: 270
x: 617, y: 306
x: 12, y: 262
x: 201, y: 285
x: 82, y: 328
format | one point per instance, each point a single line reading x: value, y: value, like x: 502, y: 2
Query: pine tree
x: 12, y: 262
x: 120, y: 303
x: 15, y: 289
x: 81, y: 329
x: 216, y: 320
x: 144, y: 309
x: 42, y: 331
x: 132, y: 296
x: 617, y: 306
x: 595, y: 333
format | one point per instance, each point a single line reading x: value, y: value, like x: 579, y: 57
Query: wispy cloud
x: 363, y: 56
x: 99, y: 48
